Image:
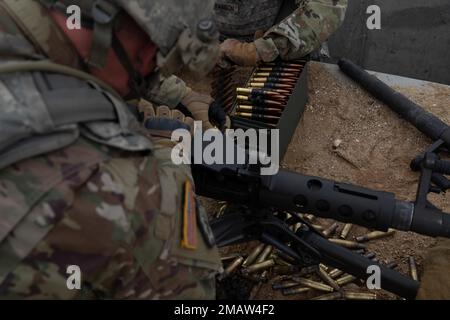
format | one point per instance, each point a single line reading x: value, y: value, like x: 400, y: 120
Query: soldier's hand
x: 240, y: 53
x: 204, y: 108
x: 162, y: 121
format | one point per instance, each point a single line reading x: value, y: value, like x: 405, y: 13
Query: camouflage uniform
x: 300, y: 33
x: 98, y: 195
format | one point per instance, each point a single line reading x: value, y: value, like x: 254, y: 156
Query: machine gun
x: 264, y: 201
x: 264, y: 198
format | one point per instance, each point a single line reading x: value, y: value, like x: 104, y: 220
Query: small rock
x: 337, y: 143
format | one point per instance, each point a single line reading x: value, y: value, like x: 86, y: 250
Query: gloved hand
x: 204, y: 108
x: 435, y: 282
x: 240, y: 53
x: 162, y: 121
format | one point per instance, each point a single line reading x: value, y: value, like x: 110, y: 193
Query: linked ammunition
x: 232, y: 267
x: 259, y: 267
x: 345, y: 231
x: 271, y: 86
x: 283, y: 92
x: 348, y: 244
x: 329, y: 296
x: 330, y: 230
x: 349, y: 295
x: 261, y: 110
x: 274, y: 80
x: 292, y: 291
x: 263, y: 256
x: 345, y: 280
x: 313, y: 284
x: 257, y: 117
x: 278, y: 69
x: 310, y: 217
x: 260, y: 101
x: 275, y: 74
x: 286, y: 64
x: 375, y: 235
x: 327, y: 279
x: 253, y: 255
x: 284, y: 285
x: 257, y: 92
x: 413, y: 268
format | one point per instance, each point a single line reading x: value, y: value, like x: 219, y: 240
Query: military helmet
x: 183, y: 31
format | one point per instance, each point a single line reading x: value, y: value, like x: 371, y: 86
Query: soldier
x: 435, y: 282
x: 297, y: 35
x: 90, y: 205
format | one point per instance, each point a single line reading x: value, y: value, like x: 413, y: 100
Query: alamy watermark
x: 235, y: 147
x: 73, y: 281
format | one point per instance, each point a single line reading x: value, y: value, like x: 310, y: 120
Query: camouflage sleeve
x: 303, y: 31
x: 123, y: 230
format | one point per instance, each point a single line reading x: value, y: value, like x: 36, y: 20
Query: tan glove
x: 435, y: 284
x: 241, y: 53
x: 198, y: 105
x: 161, y: 121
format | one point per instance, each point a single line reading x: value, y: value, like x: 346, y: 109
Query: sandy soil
x: 377, y: 147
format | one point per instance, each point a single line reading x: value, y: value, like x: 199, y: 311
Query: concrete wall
x: 414, y: 40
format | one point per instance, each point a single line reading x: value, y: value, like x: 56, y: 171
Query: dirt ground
x: 376, y: 149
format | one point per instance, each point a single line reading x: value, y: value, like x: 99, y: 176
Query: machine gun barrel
x: 324, y: 198
x: 426, y: 122
x: 351, y: 204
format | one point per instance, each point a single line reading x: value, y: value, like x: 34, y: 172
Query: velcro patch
x: 189, y: 239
